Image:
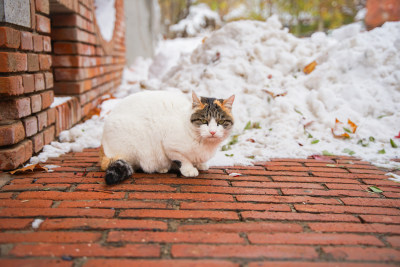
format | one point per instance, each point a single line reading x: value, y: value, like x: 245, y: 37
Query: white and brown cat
x: 154, y: 129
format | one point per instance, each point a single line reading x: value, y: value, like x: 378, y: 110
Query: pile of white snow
x: 291, y: 113
x: 105, y: 17
x: 199, y: 19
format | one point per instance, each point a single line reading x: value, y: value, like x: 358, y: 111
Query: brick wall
x: 59, y: 51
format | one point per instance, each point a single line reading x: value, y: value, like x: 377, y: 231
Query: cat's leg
x: 118, y: 171
x: 185, y: 166
x: 163, y: 170
x: 202, y: 166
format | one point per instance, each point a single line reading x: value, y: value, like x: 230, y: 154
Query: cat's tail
x: 118, y: 171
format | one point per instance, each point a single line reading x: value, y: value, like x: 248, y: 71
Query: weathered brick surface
x: 213, y: 219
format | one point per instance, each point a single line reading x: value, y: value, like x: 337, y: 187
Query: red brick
x: 14, y: 224
x: 293, y: 216
x: 55, y: 212
x: 287, y: 199
x: 355, y: 227
x: 15, y: 108
x: 312, y: 179
x: 30, y: 125
x: 9, y: 38
x: 46, y: 44
x: 37, y: 142
x: 42, y: 6
x: 378, y: 12
x: 346, y: 209
x: 125, y: 187
x: 36, y: 103
x: 49, y: 237
x: 45, y: 62
x: 35, y: 187
x: 277, y: 185
x: 394, y: 240
x: 28, y: 82
x: 315, y: 264
x: 51, y: 116
x: 348, y: 175
x: 180, y: 181
x: 42, y: 24
x: 48, y: 77
x: 11, y: 85
x: 37, y: 43
x: 264, y: 227
x: 5, y: 195
x: 243, y: 251
x: 39, y: 82
x: 70, y: 195
x: 269, y: 173
x: 380, y: 219
x: 28, y: 145
x: 364, y: 254
x: 73, y: 48
x: 26, y: 41
x: 33, y: 62
x: 158, y: 263
x: 34, y: 263
x: 229, y: 190
x: 14, y: 203
x: 181, y: 196
x: 11, y: 133
x: 42, y: 120
x: 83, y: 250
x: 391, y: 194
x: 12, y: 62
x: 314, y: 239
x: 180, y: 214
x: 372, y: 202
x: 98, y: 223
x: 333, y: 193
x: 173, y: 237
x: 113, y: 204
x: 234, y: 206
x: 47, y: 98
x: 48, y: 135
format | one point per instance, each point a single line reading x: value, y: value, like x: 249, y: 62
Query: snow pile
x: 357, y: 77
x: 200, y: 18
x: 105, y: 17
x: 280, y: 111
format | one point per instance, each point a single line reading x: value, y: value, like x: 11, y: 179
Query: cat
x: 154, y: 130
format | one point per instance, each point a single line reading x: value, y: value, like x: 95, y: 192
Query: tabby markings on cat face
x: 212, y: 116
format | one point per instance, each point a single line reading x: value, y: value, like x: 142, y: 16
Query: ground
x: 286, y: 212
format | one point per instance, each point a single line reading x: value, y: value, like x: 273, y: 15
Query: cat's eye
x: 204, y: 121
x: 221, y: 122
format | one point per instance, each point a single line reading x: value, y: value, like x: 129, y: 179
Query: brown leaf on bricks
x: 310, y: 67
x: 30, y: 168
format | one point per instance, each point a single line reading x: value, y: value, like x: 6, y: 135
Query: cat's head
x: 212, y: 117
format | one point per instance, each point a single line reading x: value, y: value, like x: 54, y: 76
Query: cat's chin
x: 213, y: 139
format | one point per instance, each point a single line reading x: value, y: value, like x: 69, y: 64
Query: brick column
x: 380, y: 11
x: 26, y: 81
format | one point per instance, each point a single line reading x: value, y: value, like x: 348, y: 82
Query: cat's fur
x: 151, y: 130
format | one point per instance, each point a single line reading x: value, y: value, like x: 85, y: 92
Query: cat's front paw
x: 202, y: 166
x: 163, y: 170
x: 189, y: 171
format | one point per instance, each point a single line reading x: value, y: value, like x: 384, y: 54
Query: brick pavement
x: 287, y: 212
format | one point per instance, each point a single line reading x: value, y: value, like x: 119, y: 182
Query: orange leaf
x: 32, y: 168
x: 352, y: 125
x: 310, y: 67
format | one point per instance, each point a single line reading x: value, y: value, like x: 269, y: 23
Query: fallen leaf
x: 229, y: 155
x: 398, y: 136
x: 235, y: 174
x: 352, y: 125
x: 393, y: 144
x: 326, y: 153
x: 31, y: 168
x: 375, y: 189
x: 273, y: 94
x: 382, y: 151
x: 348, y: 151
x: 316, y: 141
x: 251, y: 140
x: 310, y: 67
x: 322, y: 158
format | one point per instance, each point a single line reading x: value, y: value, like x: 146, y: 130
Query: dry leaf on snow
x: 310, y: 67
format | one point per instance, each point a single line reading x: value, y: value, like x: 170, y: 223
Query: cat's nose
x: 212, y: 132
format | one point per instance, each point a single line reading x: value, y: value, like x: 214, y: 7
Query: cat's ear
x: 229, y: 102
x: 196, y: 101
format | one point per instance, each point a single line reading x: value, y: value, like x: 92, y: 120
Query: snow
x: 357, y: 77
x: 59, y: 101
x: 105, y: 17
x: 196, y: 21
x: 36, y: 223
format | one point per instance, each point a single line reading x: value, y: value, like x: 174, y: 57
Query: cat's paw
x: 163, y: 170
x: 202, y: 166
x: 189, y: 171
